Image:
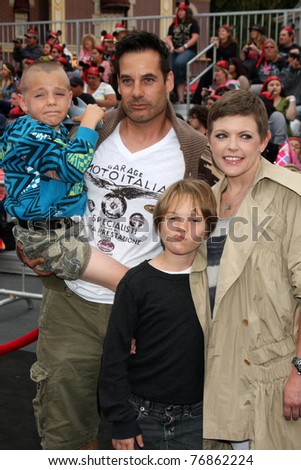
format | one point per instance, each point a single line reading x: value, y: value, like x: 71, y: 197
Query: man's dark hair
x: 142, y: 41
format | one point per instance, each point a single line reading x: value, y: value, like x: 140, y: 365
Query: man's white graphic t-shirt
x: 122, y: 188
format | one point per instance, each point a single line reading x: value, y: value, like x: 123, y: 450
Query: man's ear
x: 169, y: 82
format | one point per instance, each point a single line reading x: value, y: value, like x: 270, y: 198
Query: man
x: 109, y: 45
x: 291, y: 77
x: 142, y: 149
x: 286, y: 41
x: 32, y: 49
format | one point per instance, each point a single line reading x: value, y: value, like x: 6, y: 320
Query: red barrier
x: 19, y: 343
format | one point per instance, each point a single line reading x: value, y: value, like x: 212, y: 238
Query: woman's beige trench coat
x: 252, y: 339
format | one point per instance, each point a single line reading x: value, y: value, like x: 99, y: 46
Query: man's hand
x: 127, y: 444
x: 31, y: 263
x: 292, y: 397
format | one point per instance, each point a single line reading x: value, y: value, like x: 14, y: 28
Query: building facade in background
x: 16, y: 11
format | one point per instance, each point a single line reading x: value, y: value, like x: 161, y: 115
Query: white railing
x: 73, y: 30
x: 190, y: 80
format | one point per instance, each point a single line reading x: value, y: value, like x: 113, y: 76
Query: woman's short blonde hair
x: 239, y: 103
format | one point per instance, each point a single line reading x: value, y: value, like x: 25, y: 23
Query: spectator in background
x: 291, y: 78
x: 53, y: 36
x: 226, y: 47
x: 120, y: 31
x: 18, y: 64
x: 269, y: 63
x: 32, y: 50
x: 108, y: 44
x: 286, y: 41
x: 210, y: 100
x: 277, y: 127
x: 67, y: 66
x: 238, y: 72
x: 77, y: 88
x: 57, y: 51
x: 222, y: 79
x: 15, y: 109
x: 113, y: 79
x: 182, y: 38
x: 3, y: 123
x: 9, y: 84
x: 251, y: 52
x: 295, y: 142
x: 88, y: 44
x: 26, y: 63
x: 15, y: 113
x: 103, y: 93
x: 197, y: 118
x: 47, y: 50
x: 273, y: 90
x: 97, y: 59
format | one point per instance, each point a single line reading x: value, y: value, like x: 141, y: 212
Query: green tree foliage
x: 250, y: 5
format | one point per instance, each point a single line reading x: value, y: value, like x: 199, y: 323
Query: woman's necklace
x: 229, y: 204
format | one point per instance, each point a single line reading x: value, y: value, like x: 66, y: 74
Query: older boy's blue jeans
x: 169, y: 427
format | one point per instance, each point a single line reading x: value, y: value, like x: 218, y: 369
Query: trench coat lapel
x: 245, y: 230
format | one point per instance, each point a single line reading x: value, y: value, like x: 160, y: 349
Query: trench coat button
x: 245, y: 322
x: 248, y: 363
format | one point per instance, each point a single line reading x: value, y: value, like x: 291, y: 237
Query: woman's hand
x: 214, y: 40
x: 292, y: 397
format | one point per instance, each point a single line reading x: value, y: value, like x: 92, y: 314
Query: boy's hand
x: 91, y: 116
x: 127, y: 444
x: 31, y: 263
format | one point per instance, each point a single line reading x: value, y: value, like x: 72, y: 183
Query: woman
x: 97, y: 58
x: 223, y: 80
x: 103, y: 93
x: 182, y: 38
x: 47, y: 49
x: 251, y: 52
x: 225, y: 43
x: 273, y: 90
x: 253, y: 384
x: 269, y: 63
x: 226, y: 47
x: 9, y: 84
x: 88, y: 44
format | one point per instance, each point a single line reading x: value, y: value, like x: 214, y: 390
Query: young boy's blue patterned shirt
x: 44, y: 170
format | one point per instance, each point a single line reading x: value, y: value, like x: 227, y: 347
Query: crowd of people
x: 200, y: 347
x: 94, y: 66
